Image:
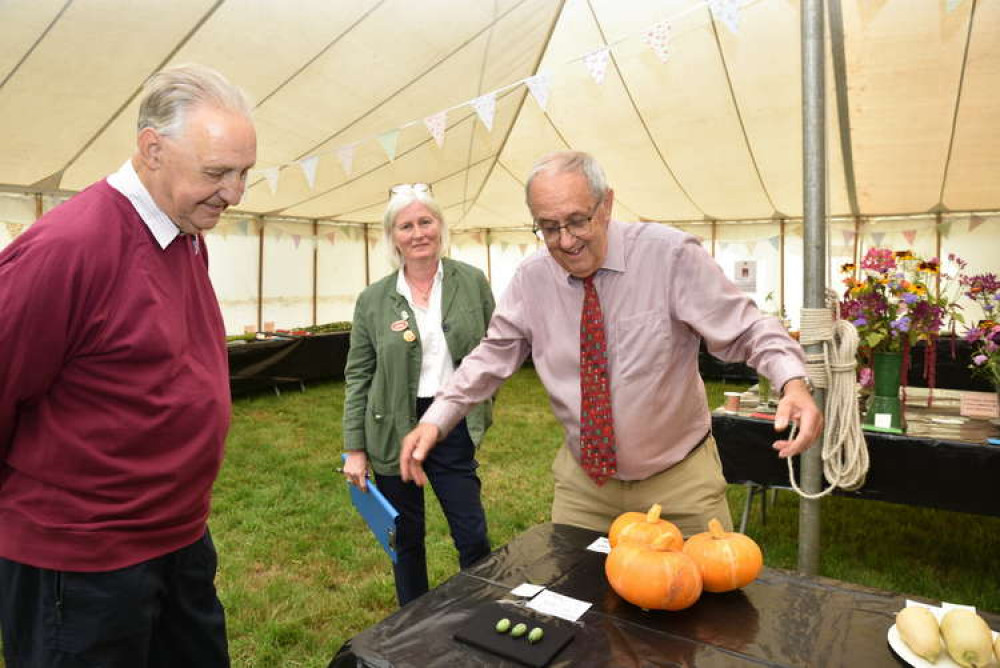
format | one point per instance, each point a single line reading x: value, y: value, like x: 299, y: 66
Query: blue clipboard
x: 378, y: 513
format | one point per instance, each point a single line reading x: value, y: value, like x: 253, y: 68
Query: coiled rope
x: 845, y: 452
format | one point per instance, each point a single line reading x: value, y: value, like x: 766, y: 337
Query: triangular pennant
x: 775, y: 242
x: 436, y: 125
x: 910, y: 236
x: 244, y: 227
x: 388, y: 141
x: 331, y: 237
x: 522, y: 248
x: 308, y: 166
x: 597, y: 64
x: 14, y: 229
x: 975, y: 221
x: 848, y: 237
x: 504, y: 246
x: 657, y: 38
x: 944, y: 229
x: 953, y: 5
x: 486, y: 108
x: 540, y: 85
x: 345, y: 154
x: 279, y: 233
x: 726, y: 12
x: 751, y: 247
x: 296, y: 239
x: 878, y: 238
x: 271, y: 174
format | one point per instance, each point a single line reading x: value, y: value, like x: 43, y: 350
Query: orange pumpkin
x: 644, y: 528
x: 653, y: 577
x: 727, y: 559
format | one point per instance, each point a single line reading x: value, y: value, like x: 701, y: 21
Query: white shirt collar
x: 126, y: 181
x: 403, y: 288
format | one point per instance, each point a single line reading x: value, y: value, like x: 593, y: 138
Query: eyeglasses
x: 401, y: 188
x: 576, y: 226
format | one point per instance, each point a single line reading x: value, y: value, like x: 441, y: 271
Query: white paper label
x: 526, y: 589
x: 600, y: 545
x: 557, y: 605
x: 883, y: 420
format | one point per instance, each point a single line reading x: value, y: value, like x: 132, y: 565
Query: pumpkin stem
x: 653, y: 515
x: 715, y: 528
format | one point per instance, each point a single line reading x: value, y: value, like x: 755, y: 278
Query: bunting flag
x: 848, y: 237
x: 14, y: 229
x: 657, y: 38
x: 436, y: 125
x: 486, y: 108
x: 296, y: 240
x: 944, y: 229
x: 751, y: 247
x: 331, y: 237
x: 597, y: 64
x: 910, y: 236
x: 726, y: 12
x: 345, y: 154
x: 244, y: 227
x: 775, y: 242
x: 308, y: 166
x: 878, y: 238
x: 953, y: 5
x: 388, y: 141
x: 271, y: 174
x: 975, y: 221
x: 540, y: 85
x: 504, y: 246
x: 522, y: 248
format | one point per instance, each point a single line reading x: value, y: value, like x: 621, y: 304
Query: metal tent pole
x: 814, y: 255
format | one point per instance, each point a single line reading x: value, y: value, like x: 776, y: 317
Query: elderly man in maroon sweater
x: 114, y: 398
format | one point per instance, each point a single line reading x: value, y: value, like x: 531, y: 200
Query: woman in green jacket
x: 411, y: 329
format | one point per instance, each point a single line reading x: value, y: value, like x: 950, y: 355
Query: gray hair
x: 398, y: 202
x: 170, y: 93
x: 570, y: 161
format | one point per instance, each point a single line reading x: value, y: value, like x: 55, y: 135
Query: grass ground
x: 300, y: 574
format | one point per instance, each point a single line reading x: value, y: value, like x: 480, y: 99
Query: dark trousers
x: 451, y: 470
x: 158, y: 613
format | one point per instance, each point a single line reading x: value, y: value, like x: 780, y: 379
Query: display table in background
x: 934, y: 464
x: 271, y: 363
x: 782, y: 619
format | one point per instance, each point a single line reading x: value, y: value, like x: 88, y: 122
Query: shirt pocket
x: 642, y: 345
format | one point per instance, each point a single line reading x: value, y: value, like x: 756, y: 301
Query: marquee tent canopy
x: 698, y: 114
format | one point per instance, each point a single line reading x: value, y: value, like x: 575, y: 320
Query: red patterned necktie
x: 597, y: 429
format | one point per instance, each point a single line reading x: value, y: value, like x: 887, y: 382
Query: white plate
x: 905, y: 653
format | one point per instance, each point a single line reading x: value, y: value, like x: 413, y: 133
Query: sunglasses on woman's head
x: 410, y: 187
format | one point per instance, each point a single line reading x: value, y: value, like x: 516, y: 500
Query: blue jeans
x: 158, y: 613
x: 451, y: 470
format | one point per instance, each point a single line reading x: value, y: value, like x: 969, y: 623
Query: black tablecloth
x: 781, y: 619
x: 933, y: 465
x: 262, y: 364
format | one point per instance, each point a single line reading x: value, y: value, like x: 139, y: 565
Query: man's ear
x: 609, y: 200
x: 150, y: 148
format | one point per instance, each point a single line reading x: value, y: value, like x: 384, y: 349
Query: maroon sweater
x: 114, y: 391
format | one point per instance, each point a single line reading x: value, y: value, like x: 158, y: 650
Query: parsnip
x: 967, y: 638
x: 918, y: 627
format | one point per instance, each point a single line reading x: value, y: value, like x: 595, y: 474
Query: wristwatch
x: 804, y: 379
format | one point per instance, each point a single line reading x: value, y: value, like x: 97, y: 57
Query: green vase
x: 885, y: 410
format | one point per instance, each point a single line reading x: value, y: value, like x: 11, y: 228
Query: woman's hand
x: 356, y: 469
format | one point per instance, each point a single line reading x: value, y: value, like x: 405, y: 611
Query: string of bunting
x: 656, y: 37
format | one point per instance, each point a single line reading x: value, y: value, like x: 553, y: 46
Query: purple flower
x: 901, y: 324
x: 909, y: 297
x: 859, y: 322
x: 866, y: 377
x: 980, y: 360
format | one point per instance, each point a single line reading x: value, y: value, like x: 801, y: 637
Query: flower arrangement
x: 894, y: 304
x: 984, y: 289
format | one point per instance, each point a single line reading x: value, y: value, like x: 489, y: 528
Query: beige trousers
x: 691, y: 492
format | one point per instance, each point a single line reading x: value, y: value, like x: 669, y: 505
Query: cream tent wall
x: 693, y: 107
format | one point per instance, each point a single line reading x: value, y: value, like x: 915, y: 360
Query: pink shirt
x: 661, y: 293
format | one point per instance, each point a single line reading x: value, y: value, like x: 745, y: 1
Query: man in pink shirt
x: 114, y: 398
x: 660, y: 294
